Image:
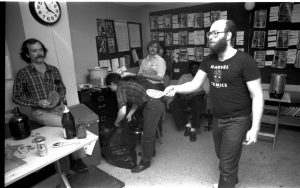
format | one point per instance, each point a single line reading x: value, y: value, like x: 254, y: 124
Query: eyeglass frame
x: 214, y: 33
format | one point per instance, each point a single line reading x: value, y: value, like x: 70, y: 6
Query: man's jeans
x: 152, y: 113
x: 228, y: 136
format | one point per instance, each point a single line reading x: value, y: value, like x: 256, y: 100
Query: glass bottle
x: 68, y: 122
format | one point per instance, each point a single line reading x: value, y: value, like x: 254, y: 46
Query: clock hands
x: 48, y: 8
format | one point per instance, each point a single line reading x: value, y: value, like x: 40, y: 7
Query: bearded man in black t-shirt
x: 236, y: 98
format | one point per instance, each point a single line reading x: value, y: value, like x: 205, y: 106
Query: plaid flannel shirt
x: 130, y: 91
x: 30, y: 86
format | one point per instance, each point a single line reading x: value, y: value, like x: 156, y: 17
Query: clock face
x: 45, y: 12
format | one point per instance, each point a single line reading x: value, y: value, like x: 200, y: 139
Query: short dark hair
x: 153, y: 42
x: 24, y: 49
x: 112, y: 78
x: 193, y: 63
x: 162, y: 46
x: 231, y: 27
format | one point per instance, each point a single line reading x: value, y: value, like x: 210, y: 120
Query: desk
x: 34, y: 162
x: 271, y: 118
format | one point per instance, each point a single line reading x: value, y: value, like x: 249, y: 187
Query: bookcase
x: 256, y: 29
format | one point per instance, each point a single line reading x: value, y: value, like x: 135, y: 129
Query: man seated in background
x: 32, y: 87
x: 153, y: 67
x: 193, y: 100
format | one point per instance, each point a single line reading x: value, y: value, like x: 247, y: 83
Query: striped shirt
x: 30, y: 87
x: 131, y: 91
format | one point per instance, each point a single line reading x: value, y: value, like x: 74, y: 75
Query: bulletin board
x: 161, y: 25
x: 116, y: 45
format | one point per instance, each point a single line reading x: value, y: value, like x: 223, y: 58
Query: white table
x: 35, y: 162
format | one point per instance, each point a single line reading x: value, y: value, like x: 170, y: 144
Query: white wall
x: 57, y: 40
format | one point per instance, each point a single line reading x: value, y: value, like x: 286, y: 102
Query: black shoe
x: 187, y: 131
x: 78, y: 166
x: 193, y: 136
x: 154, y: 153
x: 140, y: 167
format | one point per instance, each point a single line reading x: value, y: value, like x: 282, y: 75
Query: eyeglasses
x: 214, y: 33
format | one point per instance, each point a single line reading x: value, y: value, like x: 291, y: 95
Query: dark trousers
x: 228, y: 136
x: 178, y: 105
x: 152, y: 113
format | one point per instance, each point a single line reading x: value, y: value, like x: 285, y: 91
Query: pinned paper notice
x: 115, y: 64
x: 134, y: 56
x: 122, y: 62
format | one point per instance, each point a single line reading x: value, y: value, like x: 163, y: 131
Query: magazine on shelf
x: 259, y: 57
x: 260, y: 19
x: 153, y: 22
x: 168, y: 39
x: 161, y: 23
x: 198, y: 52
x: 282, y: 38
x: 183, y: 38
x: 168, y: 20
x: 285, y: 12
x: 214, y: 16
x: 279, y: 59
x: 198, y: 20
x: 182, y: 20
x: 154, y: 35
x: 190, y: 20
x: 199, y: 37
x: 183, y: 55
x: 258, y: 39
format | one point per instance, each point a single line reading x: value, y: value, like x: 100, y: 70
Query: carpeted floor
x: 181, y: 163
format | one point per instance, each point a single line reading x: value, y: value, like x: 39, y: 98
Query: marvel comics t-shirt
x: 230, y: 96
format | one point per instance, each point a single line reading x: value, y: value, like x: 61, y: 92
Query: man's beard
x: 219, y: 47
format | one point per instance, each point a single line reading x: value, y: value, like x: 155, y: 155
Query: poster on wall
x: 122, y: 36
x: 101, y: 27
x: 101, y: 46
x: 134, y: 35
x: 111, y: 45
x: 110, y: 29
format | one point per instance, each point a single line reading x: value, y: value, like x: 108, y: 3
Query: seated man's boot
x: 187, y: 131
x: 140, y: 167
x: 78, y: 165
x: 193, y: 136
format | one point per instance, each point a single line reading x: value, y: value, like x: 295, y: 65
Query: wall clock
x: 45, y: 12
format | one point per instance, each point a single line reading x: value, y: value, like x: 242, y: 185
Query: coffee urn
x: 277, y: 85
